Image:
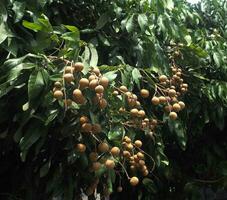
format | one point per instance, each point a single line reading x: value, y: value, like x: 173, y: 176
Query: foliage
x: 132, y: 43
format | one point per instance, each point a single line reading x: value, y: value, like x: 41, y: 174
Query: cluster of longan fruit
x: 95, y: 82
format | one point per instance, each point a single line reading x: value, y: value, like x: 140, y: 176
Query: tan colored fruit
x: 145, y: 172
x: 93, y: 156
x: 134, y: 181
x: 178, y: 74
x: 154, y: 122
x: 83, y: 119
x: 84, y: 82
x: 134, y: 112
x: 185, y: 85
x: 127, y: 139
x: 110, y: 164
x: 119, y: 189
x: 146, y: 120
x: 141, y: 113
x: 99, y: 89
x: 143, y: 168
x: 68, y: 69
x: 86, y: 127
x: 104, y: 81
x: 103, y: 147
x: 173, y: 115
x: 128, y: 94
x: 68, y: 102
x: 96, y: 71
x: 176, y: 107
x: 162, y: 99
x: 80, y: 147
x: 115, y: 151
x: 168, y: 108
x: 140, y: 155
x: 172, y: 92
x: 134, y: 96
x: 96, y: 128
x: 57, y: 84
x: 77, y: 93
x: 144, y: 93
x: 121, y: 110
x: 182, y: 105
x: 126, y: 154
x: 131, y: 102
x: 80, y: 100
x: 78, y: 67
x: 93, y: 84
x: 174, y: 100
x: 96, y: 166
x: 102, y: 103
x: 142, y: 162
x: 133, y: 168
x: 68, y: 77
x: 138, y: 103
x: 123, y: 88
x: 91, y: 77
x: 115, y: 93
x: 183, y: 89
x: 58, y: 94
x: 163, y: 78
x: 155, y: 100
x: 136, y: 159
x: 138, y: 143
x: 129, y: 146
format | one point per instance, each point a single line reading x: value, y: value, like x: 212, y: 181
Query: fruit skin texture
x: 104, y: 81
x: 78, y: 66
x: 93, y: 156
x: 109, y: 164
x: 83, y: 119
x: 84, y: 83
x: 138, y: 143
x: 68, y: 77
x: 86, y: 127
x: 176, y: 107
x: 99, y: 89
x: 81, y: 147
x: 123, y: 89
x: 77, y: 93
x: 58, y: 94
x: 96, y: 166
x: 115, y: 151
x: 182, y: 105
x: 103, y: 147
x: 134, y: 181
x: 155, y: 100
x: 173, y: 115
x: 144, y: 93
x: 134, y: 112
x: 162, y: 78
x: 96, y: 128
x: 102, y: 103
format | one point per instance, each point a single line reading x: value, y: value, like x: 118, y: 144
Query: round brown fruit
x: 78, y: 67
x: 168, y: 108
x: 68, y: 102
x: 77, y: 93
x: 68, y: 69
x: 145, y: 172
x: 58, y: 94
x: 91, y: 77
x: 141, y: 113
x: 138, y: 103
x: 123, y: 88
x: 127, y: 139
x: 84, y: 82
x: 115, y: 151
x: 173, y: 115
x: 109, y: 164
x: 129, y: 146
x: 176, y: 107
x: 126, y: 154
x: 131, y: 102
x: 182, y: 105
x: 144, y: 93
x: 121, y: 110
x: 96, y: 71
x: 172, y: 92
x: 83, y: 119
x: 140, y: 155
x: 86, y: 127
x: 81, y: 147
x: 142, y: 162
x: 93, y: 156
x: 155, y: 100
x: 115, y: 92
x: 103, y: 147
x: 104, y: 81
x: 154, y: 122
x: 119, y: 189
x: 162, y: 99
x: 138, y: 143
x: 163, y: 78
x: 99, y: 89
x: 57, y: 84
x: 96, y: 128
x: 102, y: 103
x: 134, y: 181
x: 96, y: 166
x: 93, y: 84
x: 134, y: 112
x: 68, y: 77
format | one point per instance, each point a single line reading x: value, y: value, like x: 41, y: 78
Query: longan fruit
x: 134, y: 96
x: 68, y: 77
x: 168, y: 108
x: 182, y: 105
x: 133, y: 168
x: 155, y: 100
x: 96, y: 166
x: 163, y: 78
x: 103, y: 147
x: 134, y: 181
x: 68, y: 102
x: 102, y: 103
x: 115, y: 151
x: 84, y: 82
x: 86, y: 127
x: 91, y: 77
x: 141, y: 113
x: 172, y: 92
x: 96, y: 71
x: 173, y: 115
x: 140, y: 155
x: 134, y: 112
x: 138, y: 143
x: 83, y: 119
x: 162, y: 99
x: 154, y: 122
x: 121, y: 110
x: 93, y: 84
x: 131, y: 102
x: 176, y: 107
x: 81, y: 147
x: 99, y: 89
x: 115, y: 93
x: 129, y: 146
x: 93, y: 156
x: 110, y: 164
x: 127, y: 139
x: 144, y: 93
x: 123, y: 88
x: 57, y: 84
x: 104, y: 81
x: 58, y: 94
x: 145, y: 172
x: 138, y: 103
x: 96, y: 128
x: 80, y: 100
x: 119, y: 189
x: 126, y: 154
x: 77, y: 93
x: 68, y: 69
x: 78, y: 67
x: 128, y: 94
x: 185, y: 85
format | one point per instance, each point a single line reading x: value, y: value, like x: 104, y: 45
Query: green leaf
x: 130, y: 24
x: 188, y: 39
x: 72, y: 28
x: 169, y: 4
x: 71, y: 36
x: 33, y: 26
x: 149, y: 185
x: 44, y: 169
x: 143, y: 21
x: 19, y: 9
x: 4, y: 32
x: 110, y: 75
x: 217, y: 59
x: 136, y: 76
x: 103, y: 19
x: 94, y: 56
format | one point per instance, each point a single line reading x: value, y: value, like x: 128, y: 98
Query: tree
x: 140, y: 45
